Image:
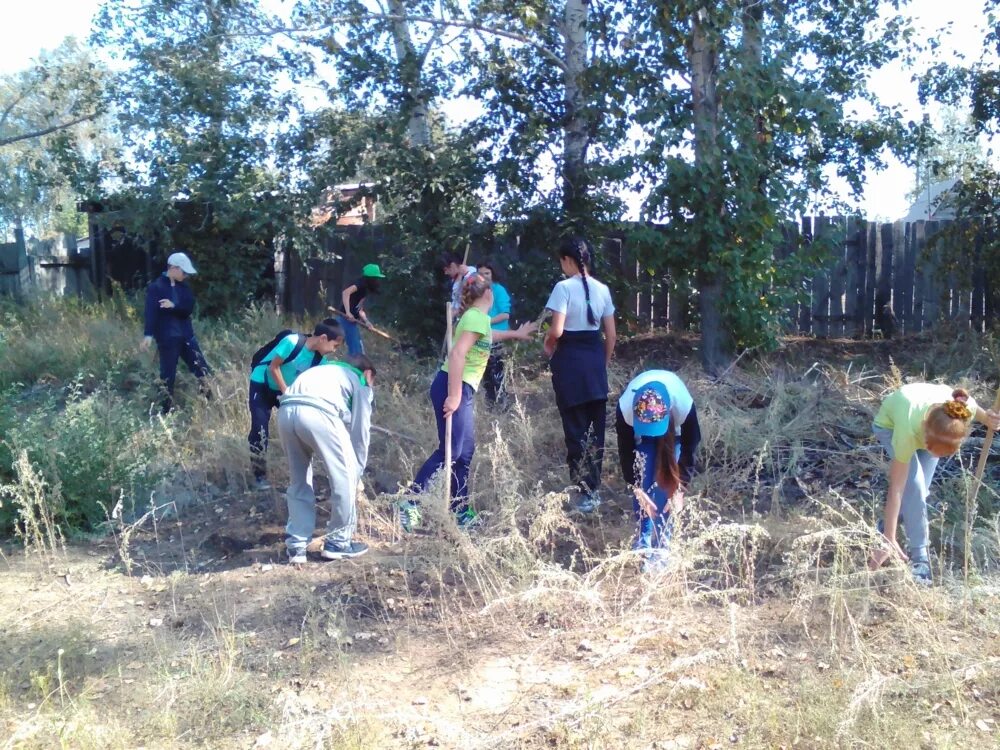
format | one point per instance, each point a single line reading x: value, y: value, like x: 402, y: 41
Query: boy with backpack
x: 273, y: 368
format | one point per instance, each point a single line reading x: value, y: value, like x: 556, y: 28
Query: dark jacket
x: 173, y: 323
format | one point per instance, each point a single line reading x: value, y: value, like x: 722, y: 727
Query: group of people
x: 326, y: 410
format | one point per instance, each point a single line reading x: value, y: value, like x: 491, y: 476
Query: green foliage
x: 547, y: 113
x: 199, y: 107
x: 90, y: 445
x: 969, y: 245
x: 949, y: 150
x: 68, y: 397
x: 51, y: 139
x: 971, y: 242
x: 748, y: 113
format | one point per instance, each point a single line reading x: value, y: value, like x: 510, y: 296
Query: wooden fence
x: 882, y: 280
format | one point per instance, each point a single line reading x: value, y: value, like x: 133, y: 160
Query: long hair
x: 948, y: 423
x: 473, y: 288
x: 576, y: 249
x: 668, y: 474
x: 494, y: 269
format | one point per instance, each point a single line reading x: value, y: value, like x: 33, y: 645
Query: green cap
x: 372, y: 271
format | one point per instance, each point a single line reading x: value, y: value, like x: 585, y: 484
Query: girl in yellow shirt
x: 917, y: 425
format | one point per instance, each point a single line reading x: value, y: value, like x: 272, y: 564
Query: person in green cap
x: 352, y: 307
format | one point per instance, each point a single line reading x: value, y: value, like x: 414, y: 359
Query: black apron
x: 579, y: 370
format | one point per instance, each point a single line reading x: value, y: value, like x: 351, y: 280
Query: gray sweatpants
x: 305, y: 431
x: 913, y: 510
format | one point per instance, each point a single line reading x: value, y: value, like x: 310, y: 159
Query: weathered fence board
x: 873, y: 263
x: 919, y: 275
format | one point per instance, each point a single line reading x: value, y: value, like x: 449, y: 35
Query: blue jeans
x: 913, y: 510
x: 352, y: 337
x: 262, y: 400
x: 173, y: 349
x: 463, y: 442
x: 654, y: 533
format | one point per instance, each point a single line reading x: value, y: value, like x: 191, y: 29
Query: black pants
x: 494, y: 386
x: 262, y: 400
x: 583, y: 428
x: 689, y: 439
x: 172, y: 350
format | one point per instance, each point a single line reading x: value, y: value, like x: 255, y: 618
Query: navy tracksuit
x: 463, y: 441
x: 174, y: 334
x: 580, y: 382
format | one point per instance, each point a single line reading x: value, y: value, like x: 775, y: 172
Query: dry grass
x: 536, y: 631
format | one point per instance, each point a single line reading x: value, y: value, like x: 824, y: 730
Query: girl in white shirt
x: 581, y: 309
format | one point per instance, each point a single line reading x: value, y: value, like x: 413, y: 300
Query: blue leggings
x: 463, y: 441
x: 653, y: 532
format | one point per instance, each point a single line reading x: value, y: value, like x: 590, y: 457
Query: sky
x: 42, y: 24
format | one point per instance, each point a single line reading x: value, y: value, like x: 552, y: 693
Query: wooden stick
x: 397, y: 435
x: 977, y: 482
x: 370, y: 327
x: 447, y: 424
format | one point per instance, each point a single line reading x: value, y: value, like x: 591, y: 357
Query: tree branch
x: 45, y: 131
x: 458, y: 23
x: 10, y: 107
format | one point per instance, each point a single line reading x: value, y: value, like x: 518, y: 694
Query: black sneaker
x: 297, y: 555
x: 341, y: 551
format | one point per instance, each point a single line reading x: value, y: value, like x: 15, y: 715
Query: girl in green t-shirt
x: 918, y: 424
x: 453, y: 391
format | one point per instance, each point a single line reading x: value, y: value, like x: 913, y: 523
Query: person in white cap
x: 169, y: 304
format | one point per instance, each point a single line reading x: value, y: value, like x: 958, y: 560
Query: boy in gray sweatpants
x: 327, y: 410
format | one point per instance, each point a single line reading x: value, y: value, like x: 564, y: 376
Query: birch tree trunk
x: 410, y: 72
x: 576, y: 131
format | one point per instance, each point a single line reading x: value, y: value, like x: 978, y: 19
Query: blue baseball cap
x: 650, y: 410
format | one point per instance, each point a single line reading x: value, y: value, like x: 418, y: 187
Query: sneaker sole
x: 298, y: 560
x: 328, y: 555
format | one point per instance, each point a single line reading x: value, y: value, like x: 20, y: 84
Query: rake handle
x: 985, y: 452
x: 371, y: 328
x: 447, y: 420
x: 977, y: 483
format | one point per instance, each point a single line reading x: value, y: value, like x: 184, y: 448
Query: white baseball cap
x: 182, y: 262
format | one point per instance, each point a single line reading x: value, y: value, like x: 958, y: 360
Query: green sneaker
x: 921, y: 570
x: 409, y: 515
x: 468, y: 519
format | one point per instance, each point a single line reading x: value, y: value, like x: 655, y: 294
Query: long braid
x: 576, y: 248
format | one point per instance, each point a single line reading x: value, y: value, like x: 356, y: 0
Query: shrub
x: 92, y: 446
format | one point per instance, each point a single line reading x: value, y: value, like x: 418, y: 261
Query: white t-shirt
x: 569, y: 298
x: 456, y: 289
x: 680, y: 396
